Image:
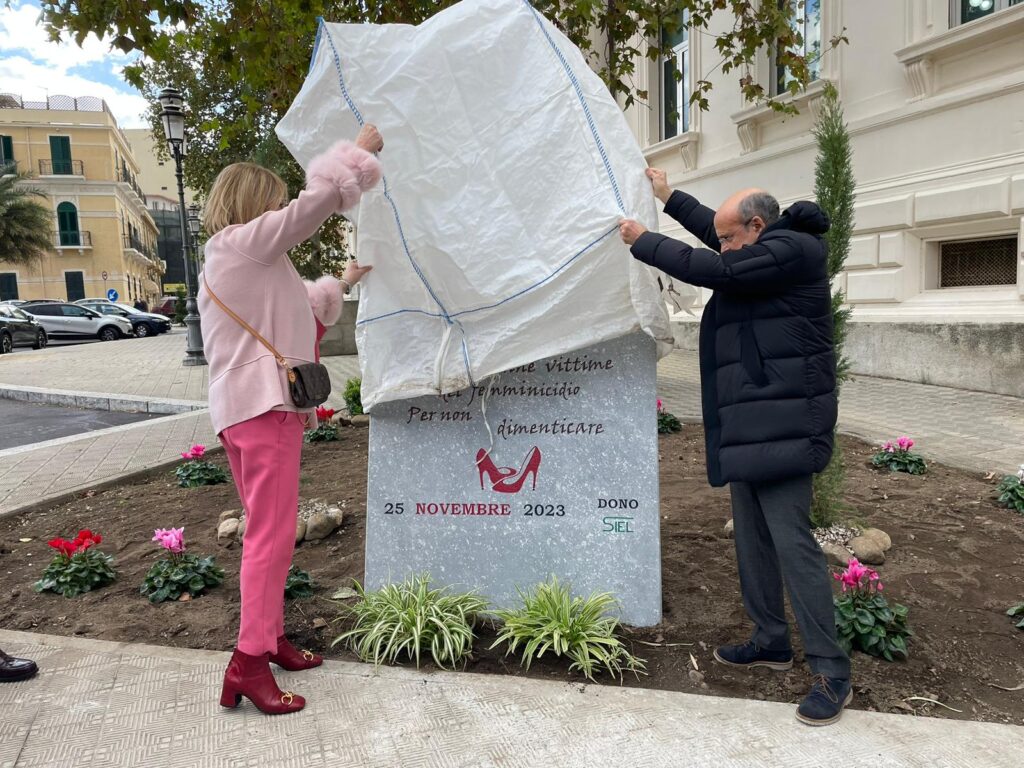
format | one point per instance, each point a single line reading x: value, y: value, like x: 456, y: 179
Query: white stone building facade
x: 933, y: 93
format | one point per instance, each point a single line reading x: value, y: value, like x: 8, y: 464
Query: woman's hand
x: 354, y: 273
x: 369, y: 139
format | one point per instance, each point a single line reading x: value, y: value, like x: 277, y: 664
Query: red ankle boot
x: 250, y: 676
x: 290, y: 658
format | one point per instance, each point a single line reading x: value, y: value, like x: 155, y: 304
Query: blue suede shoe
x: 824, y: 704
x: 750, y: 655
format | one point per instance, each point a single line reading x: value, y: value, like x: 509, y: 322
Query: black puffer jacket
x: 767, y: 361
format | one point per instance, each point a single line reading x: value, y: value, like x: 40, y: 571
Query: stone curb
x: 100, y: 401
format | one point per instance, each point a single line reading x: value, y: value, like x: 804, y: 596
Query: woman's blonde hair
x: 241, y: 193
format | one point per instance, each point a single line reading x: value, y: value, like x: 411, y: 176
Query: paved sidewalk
x: 106, y: 704
x: 974, y: 430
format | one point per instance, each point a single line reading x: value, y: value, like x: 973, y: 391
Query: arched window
x: 67, y: 224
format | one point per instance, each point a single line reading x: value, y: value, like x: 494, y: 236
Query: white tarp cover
x: 507, y: 167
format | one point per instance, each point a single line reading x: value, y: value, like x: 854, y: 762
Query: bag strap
x: 277, y: 355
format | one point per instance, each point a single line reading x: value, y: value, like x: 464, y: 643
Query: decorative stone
x: 240, y: 533
x: 300, y: 531
x: 730, y: 528
x: 836, y: 554
x: 227, y: 531
x: 867, y: 550
x: 337, y: 514
x: 362, y: 420
x: 320, y: 526
x: 549, y: 495
x: 880, y: 537
x: 230, y: 514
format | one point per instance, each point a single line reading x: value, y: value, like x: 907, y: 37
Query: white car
x: 73, y: 321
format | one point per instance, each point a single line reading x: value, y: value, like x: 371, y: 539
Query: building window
x: 60, y: 155
x: 67, y: 225
x: 8, y: 286
x: 675, y: 77
x: 806, y: 22
x: 966, y: 263
x: 6, y: 151
x: 966, y: 11
x: 75, y: 284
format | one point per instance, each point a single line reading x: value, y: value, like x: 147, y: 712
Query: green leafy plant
x: 409, y: 619
x: 77, y: 567
x: 898, y: 457
x: 299, y: 584
x: 864, y: 619
x: 1011, y: 491
x: 353, y: 396
x: 667, y: 422
x: 579, y: 628
x: 326, y: 431
x: 180, y: 306
x: 196, y: 471
x: 1017, y: 610
x: 180, y: 572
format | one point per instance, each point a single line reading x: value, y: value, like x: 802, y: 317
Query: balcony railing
x: 73, y: 239
x: 61, y: 168
x: 130, y: 241
x: 126, y: 177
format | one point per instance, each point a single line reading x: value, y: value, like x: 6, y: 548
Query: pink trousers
x: 264, y: 453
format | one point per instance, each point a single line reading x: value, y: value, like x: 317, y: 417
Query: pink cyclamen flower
x: 905, y: 443
x: 888, y: 447
x: 171, y: 539
x: 662, y: 407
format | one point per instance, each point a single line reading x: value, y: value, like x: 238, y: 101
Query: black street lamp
x: 173, y: 117
x: 194, y: 225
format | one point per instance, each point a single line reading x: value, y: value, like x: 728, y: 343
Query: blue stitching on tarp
x: 583, y: 103
x: 399, y: 312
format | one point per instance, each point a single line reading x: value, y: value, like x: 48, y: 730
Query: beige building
x: 103, y: 236
x: 933, y: 92
x: 156, y: 173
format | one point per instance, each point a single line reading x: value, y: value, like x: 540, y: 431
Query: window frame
x: 938, y: 286
x: 956, y: 7
x: 6, y: 150
x: 777, y: 72
x: 12, y: 276
x: 65, y: 235
x: 67, y: 288
x: 682, y: 87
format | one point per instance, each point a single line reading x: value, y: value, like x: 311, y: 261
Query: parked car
x: 13, y: 302
x: 18, y: 329
x: 167, y: 306
x: 73, y: 321
x: 143, y: 323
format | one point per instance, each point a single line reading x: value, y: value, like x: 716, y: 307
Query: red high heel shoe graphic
x: 506, y: 479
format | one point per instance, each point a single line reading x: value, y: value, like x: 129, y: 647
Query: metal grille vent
x: 978, y: 262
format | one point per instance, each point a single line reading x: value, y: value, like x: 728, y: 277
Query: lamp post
x: 173, y: 117
x: 194, y: 225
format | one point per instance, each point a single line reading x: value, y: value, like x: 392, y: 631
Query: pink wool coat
x: 248, y: 267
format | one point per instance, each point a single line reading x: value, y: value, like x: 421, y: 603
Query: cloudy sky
x: 32, y: 67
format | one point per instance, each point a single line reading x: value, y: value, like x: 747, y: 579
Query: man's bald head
x: 744, y: 216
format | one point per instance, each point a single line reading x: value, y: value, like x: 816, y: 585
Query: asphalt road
x: 27, y: 423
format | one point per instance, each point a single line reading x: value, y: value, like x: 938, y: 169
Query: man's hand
x: 630, y: 231
x: 659, y: 180
x: 369, y: 139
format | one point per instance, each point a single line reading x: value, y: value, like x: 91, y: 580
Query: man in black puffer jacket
x: 768, y: 392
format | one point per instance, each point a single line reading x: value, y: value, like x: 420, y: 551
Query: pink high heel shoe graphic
x: 507, y: 479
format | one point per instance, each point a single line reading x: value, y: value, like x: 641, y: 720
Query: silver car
x: 73, y: 321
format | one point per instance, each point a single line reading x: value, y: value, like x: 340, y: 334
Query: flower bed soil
x: 956, y: 562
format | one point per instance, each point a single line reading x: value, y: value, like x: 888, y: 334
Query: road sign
x: 104, y: 274
x: 112, y: 295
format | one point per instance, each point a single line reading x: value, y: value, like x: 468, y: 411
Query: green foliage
x: 551, y: 619
x: 668, y: 423
x: 193, y: 473
x: 409, y: 619
x: 834, y: 186
x: 180, y: 310
x: 1011, y: 493
x: 827, y: 507
x: 26, y: 226
x: 84, y: 571
x: 1017, y: 610
x: 325, y: 433
x: 299, y: 584
x: 865, y: 622
x: 900, y: 461
x: 353, y: 397
x: 172, y: 576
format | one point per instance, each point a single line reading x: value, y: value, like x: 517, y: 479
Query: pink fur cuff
x: 351, y: 169
x: 325, y: 298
